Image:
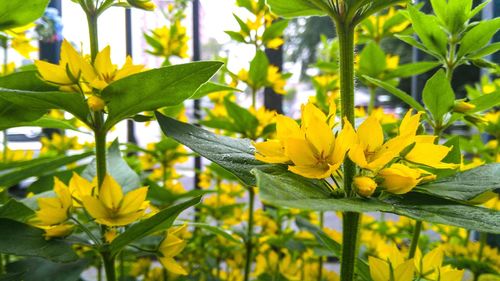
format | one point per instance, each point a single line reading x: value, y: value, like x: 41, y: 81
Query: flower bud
x: 142, y: 4
x: 399, y: 179
x: 463, y: 106
x: 364, y: 186
x: 95, y: 103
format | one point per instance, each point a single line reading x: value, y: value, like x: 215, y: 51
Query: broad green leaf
x: 26, y: 80
x: 117, y: 168
x: 274, y: 30
x: 15, y: 210
x: 362, y: 268
x: 397, y: 92
x: 243, y: 26
x: 295, y: 8
x: 486, y: 51
x: 236, y: 36
x: 14, y: 13
x: 465, y: 186
x: 12, y: 114
x: 438, y: 96
x: 154, y: 89
x: 429, y: 31
x: 38, y: 168
x: 478, y: 37
x: 160, y: 221
x: 478, y: 8
x: 161, y: 196
x: 12, y: 276
x: 281, y: 189
x: 234, y: 155
x: 244, y: 121
x: 485, y: 102
x: 20, y: 239
x: 258, y: 69
x: 411, y: 69
x: 226, y: 234
x: 371, y: 7
x: 36, y: 269
x: 211, y: 87
x: 43, y: 101
x: 43, y: 122
x: 410, y: 40
x: 372, y: 60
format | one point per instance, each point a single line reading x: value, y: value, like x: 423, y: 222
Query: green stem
x: 482, y: 242
x: 109, y: 266
x: 320, y: 262
x: 5, y: 145
x: 414, y: 239
x: 373, y: 97
x: 86, y: 230
x: 93, y: 35
x: 100, y: 147
x: 351, y: 220
x: 254, y: 97
x: 249, y: 242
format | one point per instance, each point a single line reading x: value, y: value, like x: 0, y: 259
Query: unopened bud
x: 463, y: 106
x: 364, y: 186
x: 95, y: 103
x: 142, y: 4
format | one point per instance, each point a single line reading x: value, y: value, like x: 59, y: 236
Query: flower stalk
x: 249, y: 241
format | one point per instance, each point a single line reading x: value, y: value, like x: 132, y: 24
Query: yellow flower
x: 273, y: 151
x: 67, y: 72
x: 103, y: 71
x: 392, y: 62
x: 462, y: 106
x: 391, y: 266
x: 429, y: 154
x: 275, y: 43
x: 171, y: 246
x: 428, y: 265
x: 54, y: 210
x: 110, y: 235
x: 142, y: 4
x: 60, y: 230
x: 80, y: 187
x: 111, y: 208
x: 365, y: 186
x: 22, y: 45
x: 95, y: 103
x: 399, y: 179
x: 371, y: 152
x: 275, y: 78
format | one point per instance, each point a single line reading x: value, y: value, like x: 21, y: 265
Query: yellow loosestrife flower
x: 429, y: 266
x: 313, y: 148
x: 111, y: 208
x: 399, y: 179
x: 171, y: 246
x: 80, y: 187
x: 103, y: 72
x: 54, y: 210
x: 391, y: 266
x: 95, y: 103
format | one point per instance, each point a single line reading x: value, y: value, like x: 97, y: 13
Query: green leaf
x: 258, y: 69
x: 362, y: 268
x: 438, y: 96
x: 294, y: 8
x: 410, y: 40
x: 211, y: 87
x: 117, y: 168
x: 234, y: 155
x: 243, y: 26
x: 15, y: 210
x: 486, y: 51
x: 397, y: 92
x: 160, y: 221
x: 236, y: 36
x: 465, y: 186
x: 280, y: 188
x: 38, y: 168
x: 11, y: 115
x: 372, y: 60
x: 374, y: 6
x: 485, y: 102
x: 36, y: 269
x: 20, y: 239
x: 411, y: 69
x: 274, y: 30
x: 429, y: 31
x: 478, y: 37
x: 26, y: 80
x: 244, y: 121
x: 14, y: 13
x: 226, y: 234
x: 43, y: 122
x: 43, y: 101
x: 153, y: 89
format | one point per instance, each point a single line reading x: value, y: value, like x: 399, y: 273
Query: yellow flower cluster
x: 169, y: 41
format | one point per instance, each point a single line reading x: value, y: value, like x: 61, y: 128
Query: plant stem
x: 254, y: 97
x: 351, y: 220
x: 482, y: 242
x: 249, y: 242
x: 414, y: 239
x: 320, y: 262
x: 109, y: 266
x: 100, y: 147
x: 93, y: 35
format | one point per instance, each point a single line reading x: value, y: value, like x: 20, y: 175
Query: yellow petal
x: 320, y: 136
x: 171, y: 246
x: 53, y: 73
x: 133, y: 200
x: 110, y: 193
x: 430, y: 154
x: 409, y: 124
x: 399, y: 179
x: 286, y: 128
x: 70, y: 57
x: 171, y: 265
x: 357, y: 155
x: 405, y: 271
x: 103, y: 63
x: 63, y: 193
x: 311, y: 114
x: 271, y: 151
x: 94, y: 207
x: 370, y: 134
x: 345, y: 139
x: 319, y: 171
x: 379, y: 269
x: 300, y: 152
x: 128, y: 69
x: 120, y: 220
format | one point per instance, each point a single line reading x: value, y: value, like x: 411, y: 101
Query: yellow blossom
x: 365, y: 186
x: 399, y: 179
x: 95, y: 103
x: 67, y: 72
x: 276, y: 80
x: 54, y: 210
x: 391, y: 266
x: 80, y: 187
x: 171, y: 246
x: 60, y: 230
x: 111, y: 208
